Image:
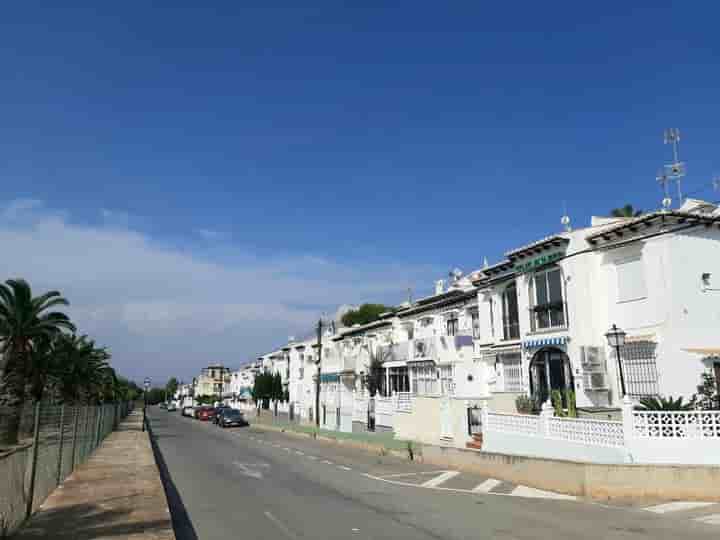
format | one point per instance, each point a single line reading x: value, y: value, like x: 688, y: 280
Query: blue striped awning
x: 544, y: 342
x: 329, y: 377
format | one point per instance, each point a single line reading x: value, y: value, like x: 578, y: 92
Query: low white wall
x: 676, y: 451
x: 535, y: 446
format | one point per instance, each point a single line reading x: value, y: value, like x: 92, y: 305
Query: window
x: 546, y: 293
x: 475, y: 324
x: 452, y: 325
x: 399, y: 379
x: 639, y: 368
x: 447, y: 383
x: 512, y: 372
x: 424, y: 379
x: 302, y: 372
x: 511, y: 326
x: 630, y: 280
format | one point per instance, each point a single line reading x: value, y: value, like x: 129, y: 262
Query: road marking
x: 712, y: 519
x: 312, y: 457
x: 287, y: 449
x: 280, y: 525
x: 250, y: 469
x: 525, y: 491
x: 299, y: 453
x: 487, y: 485
x: 676, y: 506
x: 344, y: 468
x: 400, y: 475
x: 444, y: 477
x: 326, y: 462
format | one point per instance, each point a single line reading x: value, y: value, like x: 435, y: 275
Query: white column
x: 546, y: 412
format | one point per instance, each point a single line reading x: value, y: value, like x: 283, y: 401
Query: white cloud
x: 209, y: 234
x: 166, y: 312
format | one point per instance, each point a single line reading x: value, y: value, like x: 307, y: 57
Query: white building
x: 545, y: 310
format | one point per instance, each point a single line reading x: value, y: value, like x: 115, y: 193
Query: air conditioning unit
x: 594, y: 368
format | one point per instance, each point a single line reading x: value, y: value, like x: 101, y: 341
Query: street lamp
x: 146, y: 385
x: 616, y: 338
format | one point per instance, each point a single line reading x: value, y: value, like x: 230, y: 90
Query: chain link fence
x: 54, y: 440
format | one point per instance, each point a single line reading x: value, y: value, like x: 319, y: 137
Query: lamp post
x: 146, y: 386
x: 317, y: 382
x: 616, y: 338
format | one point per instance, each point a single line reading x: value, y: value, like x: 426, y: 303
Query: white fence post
x: 628, y: 421
x: 546, y: 412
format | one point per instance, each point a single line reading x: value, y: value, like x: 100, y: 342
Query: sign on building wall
x: 527, y: 266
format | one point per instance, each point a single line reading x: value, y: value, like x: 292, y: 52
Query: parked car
x: 206, y: 414
x: 219, y: 412
x: 171, y: 407
x: 231, y: 418
x: 163, y: 405
x: 188, y: 410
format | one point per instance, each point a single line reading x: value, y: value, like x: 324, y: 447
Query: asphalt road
x: 254, y: 484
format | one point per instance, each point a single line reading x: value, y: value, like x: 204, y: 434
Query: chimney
x: 439, y: 286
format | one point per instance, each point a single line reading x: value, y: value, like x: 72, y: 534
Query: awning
x: 395, y: 363
x: 422, y: 363
x: 544, y: 342
x: 329, y: 377
x: 704, y: 351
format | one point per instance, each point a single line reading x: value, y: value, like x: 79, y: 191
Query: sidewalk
x: 371, y: 441
x: 116, y: 494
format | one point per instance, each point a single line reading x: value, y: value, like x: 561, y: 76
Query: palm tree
x: 81, y: 369
x: 666, y: 404
x: 627, y: 211
x: 24, y: 321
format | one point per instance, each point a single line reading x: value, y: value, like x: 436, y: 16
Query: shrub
x: 524, y: 405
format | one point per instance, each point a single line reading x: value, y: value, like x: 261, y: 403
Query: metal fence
x: 54, y: 439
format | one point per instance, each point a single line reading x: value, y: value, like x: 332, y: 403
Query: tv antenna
x: 674, y: 171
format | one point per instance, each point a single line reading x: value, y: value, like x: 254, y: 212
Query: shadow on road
x: 182, y: 525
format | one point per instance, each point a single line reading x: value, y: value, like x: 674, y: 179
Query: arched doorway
x: 550, y: 370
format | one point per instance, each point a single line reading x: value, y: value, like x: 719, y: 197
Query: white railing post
x: 627, y: 420
x: 484, y: 418
x: 546, y: 412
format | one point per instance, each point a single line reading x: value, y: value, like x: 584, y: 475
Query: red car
x: 206, y: 413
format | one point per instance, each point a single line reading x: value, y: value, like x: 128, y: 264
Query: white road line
x: 280, y: 525
x: 326, y: 462
x: 400, y: 475
x: 676, y: 506
x: 287, y: 449
x: 712, y: 519
x: 299, y: 453
x: 312, y: 457
x: 525, y: 491
x: 486, y: 486
x: 344, y: 468
x: 444, y: 477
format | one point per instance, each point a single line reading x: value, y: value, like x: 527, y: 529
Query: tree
x: 364, y: 314
x: 81, y: 370
x: 24, y: 322
x: 708, y: 393
x: 626, y: 211
x: 262, y: 390
x: 171, y: 387
x: 375, y: 378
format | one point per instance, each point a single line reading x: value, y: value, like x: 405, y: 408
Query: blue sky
x: 250, y: 167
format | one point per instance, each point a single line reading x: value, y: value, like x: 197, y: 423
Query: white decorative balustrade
x: 523, y: 424
x: 685, y: 424
x: 384, y: 411
x: 586, y: 431
x: 360, y: 410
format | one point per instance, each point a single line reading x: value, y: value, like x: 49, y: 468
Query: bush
x: 524, y: 405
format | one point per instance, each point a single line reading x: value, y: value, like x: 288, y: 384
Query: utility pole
x: 317, y: 382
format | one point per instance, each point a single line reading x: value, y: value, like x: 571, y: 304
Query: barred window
x: 640, y: 368
x: 447, y: 384
x: 512, y: 372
